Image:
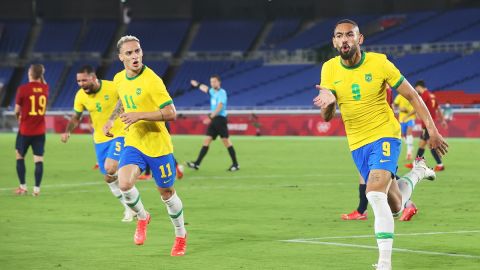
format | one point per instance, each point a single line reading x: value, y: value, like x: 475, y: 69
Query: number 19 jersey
x: 361, y: 96
x: 32, y: 98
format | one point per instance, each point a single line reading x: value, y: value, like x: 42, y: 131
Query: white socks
x: 407, y: 183
x: 115, y: 188
x: 383, y: 226
x: 175, y: 210
x: 132, y: 199
x: 409, y: 141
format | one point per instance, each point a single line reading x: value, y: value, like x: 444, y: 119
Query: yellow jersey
x: 145, y: 93
x: 100, y: 105
x: 403, y: 103
x: 361, y: 95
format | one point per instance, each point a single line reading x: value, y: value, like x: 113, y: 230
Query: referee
x: 216, y: 121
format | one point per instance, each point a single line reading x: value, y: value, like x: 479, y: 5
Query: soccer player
x: 361, y: 212
x: 216, y: 121
x: 144, y: 107
x: 99, y: 98
x: 357, y: 80
x: 434, y: 109
x: 407, y: 122
x: 30, y: 108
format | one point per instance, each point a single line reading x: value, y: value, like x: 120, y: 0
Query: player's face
x: 86, y: 82
x: 131, y: 55
x: 214, y: 83
x: 347, y: 40
x: 419, y: 89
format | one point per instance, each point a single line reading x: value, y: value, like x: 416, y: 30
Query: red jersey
x: 429, y: 100
x: 32, y: 98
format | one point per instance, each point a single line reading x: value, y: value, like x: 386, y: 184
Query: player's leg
x: 164, y: 173
x: 409, y: 138
x: 115, y: 147
x: 131, y: 164
x: 211, y: 135
x: 361, y: 212
x: 222, y: 129
x: 20, y: 151
x: 422, y: 143
x: 38, y: 148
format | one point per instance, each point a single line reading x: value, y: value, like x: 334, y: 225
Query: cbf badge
x: 106, y: 97
x: 368, y: 77
x: 139, y: 91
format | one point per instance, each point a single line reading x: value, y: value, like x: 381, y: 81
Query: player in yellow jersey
x: 407, y: 121
x: 144, y: 107
x: 357, y: 81
x: 99, y: 97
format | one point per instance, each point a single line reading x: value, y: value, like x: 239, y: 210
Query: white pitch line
x: 371, y: 235
x: 193, y: 178
x: 394, y: 249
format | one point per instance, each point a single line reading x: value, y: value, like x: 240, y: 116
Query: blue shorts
x: 381, y: 154
x: 111, y: 149
x: 405, y: 125
x: 163, y: 167
x: 37, y: 143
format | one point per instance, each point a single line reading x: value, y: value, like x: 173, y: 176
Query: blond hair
x: 126, y: 39
x: 38, y: 72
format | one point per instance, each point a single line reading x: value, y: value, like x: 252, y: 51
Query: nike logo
x: 384, y: 160
x: 115, y: 154
x: 167, y: 181
x: 335, y: 82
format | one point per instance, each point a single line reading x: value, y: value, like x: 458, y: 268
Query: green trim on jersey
x: 399, y: 82
x: 354, y: 66
x: 166, y: 103
x: 384, y: 235
x: 136, y: 76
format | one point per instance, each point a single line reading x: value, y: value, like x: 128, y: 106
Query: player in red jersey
x: 432, y: 105
x: 30, y: 108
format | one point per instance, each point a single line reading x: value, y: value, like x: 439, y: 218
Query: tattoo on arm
x: 117, y: 111
x: 72, y: 124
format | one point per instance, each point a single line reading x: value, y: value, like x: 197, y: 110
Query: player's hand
x: 64, y: 137
x: 130, y: 118
x: 107, y: 127
x: 194, y: 83
x: 438, y: 143
x: 207, y: 121
x: 325, y: 97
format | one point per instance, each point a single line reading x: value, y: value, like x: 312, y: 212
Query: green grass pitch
x: 287, y: 188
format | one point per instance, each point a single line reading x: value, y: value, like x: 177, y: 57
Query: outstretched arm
x: 201, y: 86
x: 72, y: 124
x: 436, y: 140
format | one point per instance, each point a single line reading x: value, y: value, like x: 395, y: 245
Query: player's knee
x: 111, y: 170
x: 37, y: 159
x: 109, y: 178
x: 166, y: 193
x: 396, y: 207
x: 17, y: 155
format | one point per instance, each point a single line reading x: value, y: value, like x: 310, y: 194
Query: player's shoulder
x: 108, y: 84
x: 375, y: 57
x: 332, y: 61
x: 119, y: 76
x: 150, y: 74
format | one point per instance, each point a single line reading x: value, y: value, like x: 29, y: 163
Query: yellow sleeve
x: 392, y: 75
x: 326, y: 77
x: 160, y: 94
x: 78, y: 103
x: 397, y: 100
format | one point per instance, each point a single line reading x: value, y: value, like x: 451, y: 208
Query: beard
x: 348, y: 55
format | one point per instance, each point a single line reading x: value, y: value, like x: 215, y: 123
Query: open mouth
x: 135, y: 63
x: 345, y: 48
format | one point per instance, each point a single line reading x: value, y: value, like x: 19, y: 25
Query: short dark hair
x: 86, y: 69
x: 421, y: 83
x: 345, y: 21
x: 216, y: 76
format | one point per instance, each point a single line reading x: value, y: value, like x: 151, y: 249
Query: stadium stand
x: 99, y: 36
x: 58, y: 36
x: 282, y: 29
x: 13, y: 35
x: 219, y: 35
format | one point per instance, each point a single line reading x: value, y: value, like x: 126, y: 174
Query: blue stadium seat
x: 99, y: 36
x: 58, y: 36
x: 13, y: 35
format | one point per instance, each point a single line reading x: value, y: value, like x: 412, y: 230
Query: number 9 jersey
x: 361, y: 95
x: 32, y: 99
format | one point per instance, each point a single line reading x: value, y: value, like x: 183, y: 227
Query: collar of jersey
x: 354, y: 66
x: 136, y: 76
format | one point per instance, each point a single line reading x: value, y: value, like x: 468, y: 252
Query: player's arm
x: 203, y: 87
x: 166, y: 113
x: 115, y: 114
x: 72, y: 124
x: 436, y: 140
x: 326, y: 101
x: 17, y: 111
x: 217, y: 110
x: 443, y: 121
